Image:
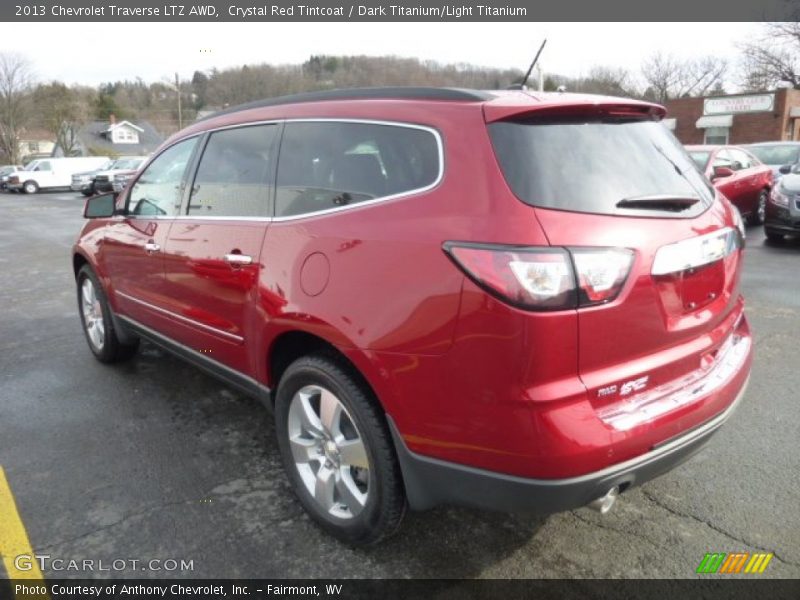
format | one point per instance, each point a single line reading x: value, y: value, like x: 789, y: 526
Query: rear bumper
x: 430, y: 482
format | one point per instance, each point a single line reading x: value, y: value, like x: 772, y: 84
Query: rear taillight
x: 544, y: 278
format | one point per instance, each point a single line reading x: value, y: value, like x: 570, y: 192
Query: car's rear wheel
x: 30, y: 187
x: 773, y: 236
x: 337, y: 451
x: 98, y: 325
x: 758, y: 215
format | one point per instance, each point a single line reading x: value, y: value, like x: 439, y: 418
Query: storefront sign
x: 728, y: 105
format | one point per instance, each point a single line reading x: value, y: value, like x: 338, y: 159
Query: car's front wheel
x: 337, y: 451
x: 30, y: 187
x: 96, y: 320
x: 758, y: 215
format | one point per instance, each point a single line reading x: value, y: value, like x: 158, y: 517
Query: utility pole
x: 178, y: 90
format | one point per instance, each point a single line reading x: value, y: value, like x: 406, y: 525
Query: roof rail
x: 416, y: 93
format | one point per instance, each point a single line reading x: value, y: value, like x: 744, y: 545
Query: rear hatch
x: 609, y: 179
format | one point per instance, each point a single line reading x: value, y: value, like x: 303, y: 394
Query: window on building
x: 33, y: 146
x: 716, y: 135
x: 125, y: 135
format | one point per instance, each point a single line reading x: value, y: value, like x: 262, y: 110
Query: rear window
x: 776, y: 155
x: 590, y: 165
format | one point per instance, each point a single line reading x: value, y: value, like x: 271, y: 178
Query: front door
x: 133, y: 246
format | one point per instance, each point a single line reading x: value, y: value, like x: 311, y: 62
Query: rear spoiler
x: 582, y: 106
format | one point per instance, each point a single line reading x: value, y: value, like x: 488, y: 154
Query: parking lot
x: 154, y: 460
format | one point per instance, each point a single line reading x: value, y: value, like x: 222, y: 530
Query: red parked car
x: 505, y: 300
x: 740, y: 176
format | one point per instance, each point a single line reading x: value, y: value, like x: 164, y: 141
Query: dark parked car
x: 104, y: 180
x: 739, y: 175
x: 781, y: 157
x: 783, y: 208
x: 5, y: 171
x: 437, y: 307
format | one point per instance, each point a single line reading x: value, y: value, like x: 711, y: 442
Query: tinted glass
x: 325, y: 165
x: 723, y: 158
x: 234, y: 178
x: 699, y: 158
x: 157, y: 192
x: 591, y: 165
x: 776, y: 155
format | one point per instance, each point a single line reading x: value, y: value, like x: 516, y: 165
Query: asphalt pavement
x: 153, y: 459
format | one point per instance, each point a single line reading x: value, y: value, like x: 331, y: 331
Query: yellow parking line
x: 13, y: 538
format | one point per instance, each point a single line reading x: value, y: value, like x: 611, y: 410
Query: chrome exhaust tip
x: 603, y: 504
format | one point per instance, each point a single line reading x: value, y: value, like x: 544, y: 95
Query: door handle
x: 238, y: 259
x: 151, y: 247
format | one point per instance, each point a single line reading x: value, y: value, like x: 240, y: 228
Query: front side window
x: 235, y: 175
x: 325, y: 165
x: 741, y: 160
x: 44, y: 166
x: 157, y: 192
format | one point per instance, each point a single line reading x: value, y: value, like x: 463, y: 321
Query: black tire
x: 111, y: 349
x: 89, y: 191
x: 30, y: 187
x: 385, y: 503
x: 757, y: 216
x: 773, y: 237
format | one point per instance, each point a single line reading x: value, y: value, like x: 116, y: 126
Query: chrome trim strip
x: 436, y: 182
x: 654, y: 403
x: 688, y: 438
x: 696, y: 251
x: 236, y: 338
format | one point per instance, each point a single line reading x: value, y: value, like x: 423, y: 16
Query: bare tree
x: 772, y: 58
x: 16, y: 78
x: 669, y: 77
x: 62, y: 111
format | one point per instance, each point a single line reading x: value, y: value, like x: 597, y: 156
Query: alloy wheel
x: 92, y: 314
x: 328, y: 452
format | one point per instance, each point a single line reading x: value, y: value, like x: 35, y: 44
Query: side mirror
x: 720, y: 172
x: 101, y: 206
x: 785, y: 169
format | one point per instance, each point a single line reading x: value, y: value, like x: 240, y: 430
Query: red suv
x: 505, y: 300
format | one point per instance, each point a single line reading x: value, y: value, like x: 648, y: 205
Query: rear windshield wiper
x: 659, y: 202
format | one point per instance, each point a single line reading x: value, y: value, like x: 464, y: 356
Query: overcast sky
x: 91, y: 53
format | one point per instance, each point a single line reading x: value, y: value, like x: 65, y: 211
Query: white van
x: 44, y: 173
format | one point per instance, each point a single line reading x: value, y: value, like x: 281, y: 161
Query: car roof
x: 495, y: 104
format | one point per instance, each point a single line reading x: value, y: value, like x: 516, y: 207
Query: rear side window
x: 326, y: 165
x: 590, y: 165
x: 234, y: 178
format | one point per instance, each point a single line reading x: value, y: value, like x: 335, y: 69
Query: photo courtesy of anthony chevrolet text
x: 399, y: 299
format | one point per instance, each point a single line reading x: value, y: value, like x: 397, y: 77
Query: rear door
x: 213, y: 254
x: 600, y: 182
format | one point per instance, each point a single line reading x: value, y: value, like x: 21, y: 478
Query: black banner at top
x: 396, y: 10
